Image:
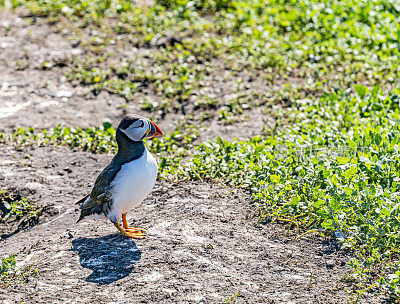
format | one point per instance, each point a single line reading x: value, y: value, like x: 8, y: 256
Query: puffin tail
x: 83, y: 211
x: 81, y: 201
x: 80, y: 218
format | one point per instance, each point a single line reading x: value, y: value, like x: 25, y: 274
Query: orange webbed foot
x: 129, y: 233
x: 136, y: 233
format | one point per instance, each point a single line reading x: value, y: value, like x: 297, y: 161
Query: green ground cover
x: 18, y: 209
x: 333, y: 170
x: 10, y: 276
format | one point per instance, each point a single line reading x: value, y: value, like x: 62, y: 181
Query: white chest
x: 133, y: 183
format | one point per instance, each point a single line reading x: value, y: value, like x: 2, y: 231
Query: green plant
x: 18, y: 207
x: 9, y: 276
x: 170, y: 148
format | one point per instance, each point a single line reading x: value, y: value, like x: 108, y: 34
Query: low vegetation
x: 170, y: 148
x: 9, y: 275
x: 17, y: 213
x: 14, y: 207
x: 185, y: 55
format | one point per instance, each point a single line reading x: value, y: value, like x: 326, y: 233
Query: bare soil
x: 31, y: 96
x: 202, y: 244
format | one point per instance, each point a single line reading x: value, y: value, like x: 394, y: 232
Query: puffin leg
x: 126, y: 226
x: 131, y: 234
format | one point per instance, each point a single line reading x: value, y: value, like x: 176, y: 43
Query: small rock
x: 68, y: 170
x: 330, y: 264
x: 71, y: 234
x: 76, y: 52
x: 165, y: 41
x: 75, y: 43
x: 64, y: 93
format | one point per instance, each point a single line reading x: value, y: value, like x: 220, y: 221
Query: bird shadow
x: 110, y: 257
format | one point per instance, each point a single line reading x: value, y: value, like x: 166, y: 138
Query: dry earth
x: 202, y: 243
x: 33, y: 97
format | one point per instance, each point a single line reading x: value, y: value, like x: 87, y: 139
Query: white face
x: 138, y: 130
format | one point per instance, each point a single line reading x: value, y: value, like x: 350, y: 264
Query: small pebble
x: 64, y: 93
x: 68, y: 170
x: 330, y: 264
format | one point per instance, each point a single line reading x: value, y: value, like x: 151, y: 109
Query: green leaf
x: 327, y: 224
x: 350, y: 172
x: 275, y: 178
x: 342, y: 160
x: 361, y: 90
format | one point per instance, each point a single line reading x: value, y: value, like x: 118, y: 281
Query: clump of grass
x: 9, y: 276
x: 15, y: 208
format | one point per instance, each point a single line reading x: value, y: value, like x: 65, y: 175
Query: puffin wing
x: 100, y: 198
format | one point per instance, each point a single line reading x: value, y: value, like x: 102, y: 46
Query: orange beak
x: 158, y: 130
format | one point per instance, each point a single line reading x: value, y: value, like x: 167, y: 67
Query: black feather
x: 80, y: 218
x: 81, y: 201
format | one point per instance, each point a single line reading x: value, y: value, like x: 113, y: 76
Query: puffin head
x: 137, y: 128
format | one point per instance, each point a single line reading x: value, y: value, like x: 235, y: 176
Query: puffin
x: 128, y: 179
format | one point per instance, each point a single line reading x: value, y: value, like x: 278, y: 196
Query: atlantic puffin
x: 128, y: 179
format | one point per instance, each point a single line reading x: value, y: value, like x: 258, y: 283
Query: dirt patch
x: 201, y: 246
x: 34, y: 91
x: 31, y: 96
